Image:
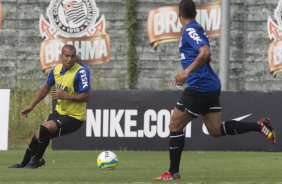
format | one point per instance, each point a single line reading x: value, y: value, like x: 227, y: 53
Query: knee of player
x: 50, y: 126
x: 174, y: 127
x: 37, y: 134
x: 215, y: 133
x: 171, y: 127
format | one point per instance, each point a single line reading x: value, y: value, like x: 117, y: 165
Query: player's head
x: 68, y: 56
x: 187, y: 9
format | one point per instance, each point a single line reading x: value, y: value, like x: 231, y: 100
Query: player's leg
x: 44, y: 134
x: 178, y: 122
x: 232, y: 127
x: 188, y: 107
x: 215, y: 128
x: 213, y: 123
x: 56, y: 125
x: 29, y: 153
x: 33, y: 146
x: 48, y: 128
x: 31, y: 150
x: 179, y: 119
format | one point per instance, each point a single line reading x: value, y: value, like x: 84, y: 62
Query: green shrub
x: 131, y: 28
x: 22, y: 129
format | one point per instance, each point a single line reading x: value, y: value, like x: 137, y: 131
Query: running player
x: 201, y: 96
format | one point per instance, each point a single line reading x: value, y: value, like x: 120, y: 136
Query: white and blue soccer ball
x: 107, y: 160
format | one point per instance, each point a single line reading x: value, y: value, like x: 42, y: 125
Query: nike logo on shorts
x: 178, y: 103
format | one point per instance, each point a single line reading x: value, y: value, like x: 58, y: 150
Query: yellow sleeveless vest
x: 66, y: 83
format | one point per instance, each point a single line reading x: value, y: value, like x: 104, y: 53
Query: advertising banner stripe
x: 139, y: 120
x: 164, y: 24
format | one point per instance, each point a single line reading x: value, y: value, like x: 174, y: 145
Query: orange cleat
x: 167, y: 176
x: 267, y: 130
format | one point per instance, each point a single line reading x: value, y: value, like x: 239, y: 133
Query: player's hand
x: 58, y: 94
x: 26, y: 110
x: 177, y: 84
x: 180, y: 78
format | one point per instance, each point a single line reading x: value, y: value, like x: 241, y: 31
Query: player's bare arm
x: 43, y: 91
x: 203, y: 56
x: 60, y: 94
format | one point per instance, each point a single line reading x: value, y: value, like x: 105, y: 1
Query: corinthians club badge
x: 72, y: 18
x: 75, y: 22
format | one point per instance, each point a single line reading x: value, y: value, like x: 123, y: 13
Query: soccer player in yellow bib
x: 71, y: 91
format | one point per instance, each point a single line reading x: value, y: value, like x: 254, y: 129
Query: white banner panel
x: 4, y: 118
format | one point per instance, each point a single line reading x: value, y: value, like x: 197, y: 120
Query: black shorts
x: 199, y: 103
x: 66, y: 124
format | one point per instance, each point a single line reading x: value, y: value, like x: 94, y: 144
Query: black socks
x: 43, y: 142
x: 30, y: 151
x: 233, y: 127
x: 176, y: 145
x: 177, y: 139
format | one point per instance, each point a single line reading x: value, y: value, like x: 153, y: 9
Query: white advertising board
x: 4, y: 118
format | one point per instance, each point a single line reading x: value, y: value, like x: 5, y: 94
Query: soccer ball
x: 107, y: 160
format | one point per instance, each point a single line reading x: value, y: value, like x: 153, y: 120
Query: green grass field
x: 140, y: 166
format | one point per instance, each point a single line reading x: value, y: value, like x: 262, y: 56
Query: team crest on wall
x: 164, y: 24
x: 75, y: 22
x: 274, y: 29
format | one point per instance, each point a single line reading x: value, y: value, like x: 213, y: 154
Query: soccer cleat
x: 167, y: 176
x: 34, y: 163
x: 16, y: 166
x: 267, y: 130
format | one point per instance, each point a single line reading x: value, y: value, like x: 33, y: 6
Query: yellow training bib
x: 65, y: 82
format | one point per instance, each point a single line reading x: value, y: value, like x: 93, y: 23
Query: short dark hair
x: 187, y: 9
x: 68, y: 46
